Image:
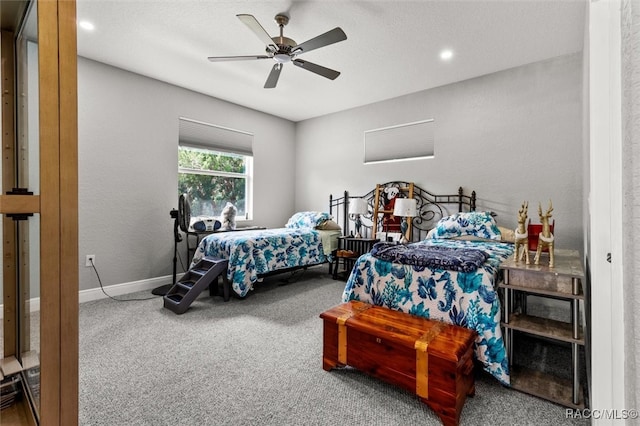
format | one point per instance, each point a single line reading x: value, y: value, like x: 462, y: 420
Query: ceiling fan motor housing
x: 285, y: 46
x: 284, y: 42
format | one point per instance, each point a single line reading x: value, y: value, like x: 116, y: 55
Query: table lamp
x: 357, y: 207
x: 405, y: 207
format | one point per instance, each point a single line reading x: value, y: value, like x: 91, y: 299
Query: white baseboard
x: 33, y: 305
x: 124, y: 288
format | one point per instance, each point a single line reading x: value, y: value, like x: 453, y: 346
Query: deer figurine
x: 522, y: 235
x: 545, y: 238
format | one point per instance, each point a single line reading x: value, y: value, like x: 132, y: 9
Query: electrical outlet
x: 90, y: 260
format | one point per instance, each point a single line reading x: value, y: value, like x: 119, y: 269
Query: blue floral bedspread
x: 468, y: 299
x: 255, y: 252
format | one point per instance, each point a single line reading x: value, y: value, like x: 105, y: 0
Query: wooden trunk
x: 430, y: 358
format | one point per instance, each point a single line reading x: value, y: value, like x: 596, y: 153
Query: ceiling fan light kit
x: 283, y: 50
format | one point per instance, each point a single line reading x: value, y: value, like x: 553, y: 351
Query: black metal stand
x: 164, y: 289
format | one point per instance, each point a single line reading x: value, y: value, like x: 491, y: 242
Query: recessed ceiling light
x: 86, y: 25
x: 446, y: 54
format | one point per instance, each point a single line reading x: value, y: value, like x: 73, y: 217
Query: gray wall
x: 128, y: 138
x: 511, y: 136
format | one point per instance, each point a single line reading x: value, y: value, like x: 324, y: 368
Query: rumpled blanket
x: 449, y: 258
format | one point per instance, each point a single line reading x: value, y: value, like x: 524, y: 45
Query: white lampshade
x: 358, y: 206
x: 405, y: 207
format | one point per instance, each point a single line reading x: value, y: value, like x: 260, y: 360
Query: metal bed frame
x: 431, y: 208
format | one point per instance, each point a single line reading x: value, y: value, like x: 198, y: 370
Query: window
x: 408, y: 141
x: 210, y: 172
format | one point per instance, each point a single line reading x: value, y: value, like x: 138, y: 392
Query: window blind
x: 401, y: 142
x: 197, y: 134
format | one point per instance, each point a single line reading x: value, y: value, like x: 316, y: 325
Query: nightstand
x: 563, y: 282
x: 349, y: 249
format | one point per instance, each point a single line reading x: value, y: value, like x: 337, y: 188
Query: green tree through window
x: 211, y: 179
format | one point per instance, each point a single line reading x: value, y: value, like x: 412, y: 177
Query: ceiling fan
x: 283, y: 50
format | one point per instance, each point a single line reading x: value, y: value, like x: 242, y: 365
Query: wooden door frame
x: 58, y: 211
x: 57, y: 205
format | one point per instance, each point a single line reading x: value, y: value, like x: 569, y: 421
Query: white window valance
x: 198, y: 134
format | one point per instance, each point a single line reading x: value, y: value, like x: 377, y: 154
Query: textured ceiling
x: 392, y: 47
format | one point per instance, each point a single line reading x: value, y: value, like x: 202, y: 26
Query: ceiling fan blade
x: 333, y: 36
x: 272, y: 80
x: 236, y: 58
x: 318, y: 69
x: 253, y: 24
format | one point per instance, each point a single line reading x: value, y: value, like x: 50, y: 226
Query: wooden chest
x: 430, y: 358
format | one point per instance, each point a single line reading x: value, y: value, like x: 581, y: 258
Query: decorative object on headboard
x: 405, y: 207
x: 430, y: 209
x: 358, y: 207
x: 545, y: 238
x: 386, y: 195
